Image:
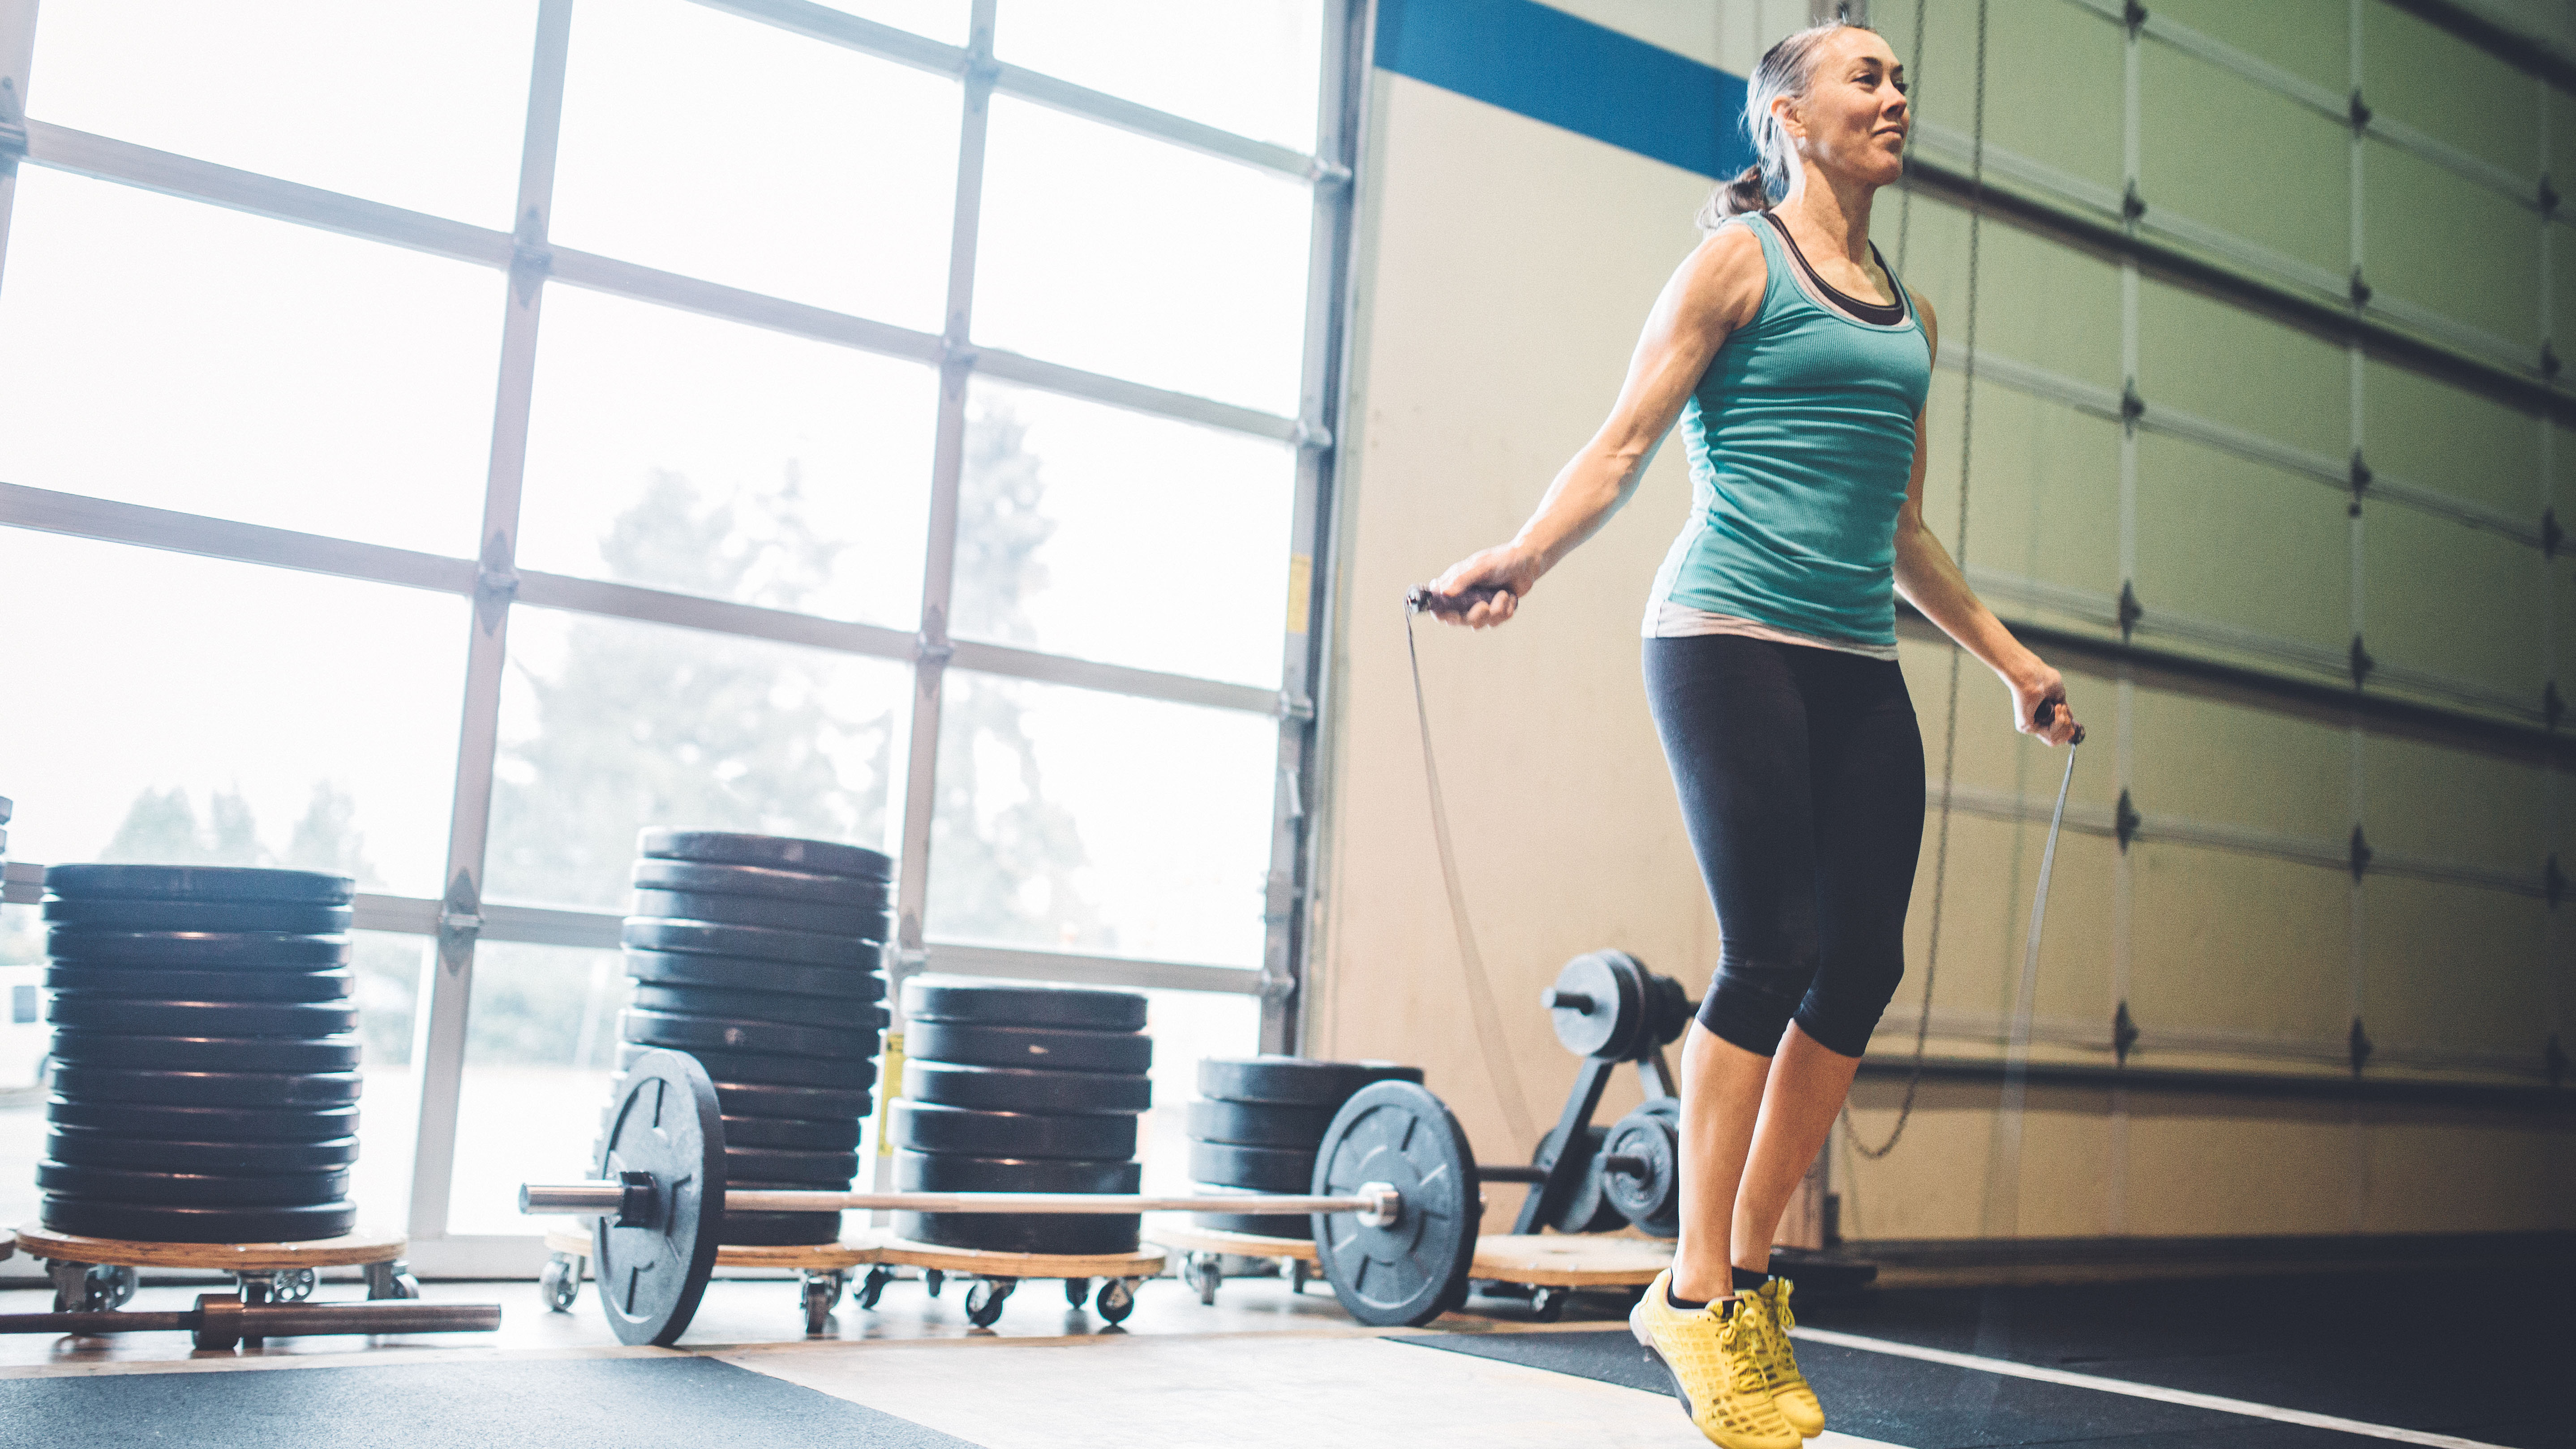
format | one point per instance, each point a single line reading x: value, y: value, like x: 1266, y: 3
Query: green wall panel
x: 2447, y: 88
x: 2223, y: 940
x: 2223, y: 151
x: 2453, y: 966
x: 2454, y: 601
x: 2234, y: 541
x: 2038, y: 302
x: 2443, y: 803
x: 2419, y: 220
x: 2219, y: 361
x: 2045, y: 487
x: 2208, y: 760
x: 2434, y: 435
x: 2304, y: 37
x: 2053, y: 80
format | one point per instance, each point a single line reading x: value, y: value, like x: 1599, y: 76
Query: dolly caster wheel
x: 391, y: 1280
x: 1547, y: 1305
x: 822, y: 1290
x: 872, y: 1286
x: 1117, y: 1299
x: 932, y: 1280
x: 559, y: 1283
x: 1203, y: 1272
x: 1076, y: 1290
x: 984, y: 1300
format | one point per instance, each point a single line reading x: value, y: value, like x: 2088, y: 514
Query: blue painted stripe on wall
x: 1542, y: 63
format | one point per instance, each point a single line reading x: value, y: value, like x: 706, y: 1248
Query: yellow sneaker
x: 1789, y: 1391
x: 1716, y: 1367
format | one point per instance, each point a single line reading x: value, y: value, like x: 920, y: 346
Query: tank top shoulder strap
x: 1775, y: 260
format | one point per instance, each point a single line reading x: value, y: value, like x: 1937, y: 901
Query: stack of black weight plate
x: 1259, y: 1124
x: 1020, y: 1087
x: 205, y: 1066
x: 759, y: 956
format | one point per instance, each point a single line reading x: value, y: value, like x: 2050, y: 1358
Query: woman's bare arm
x: 1930, y: 580
x: 1715, y: 290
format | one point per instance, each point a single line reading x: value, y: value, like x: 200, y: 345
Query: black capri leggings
x: 1800, y: 772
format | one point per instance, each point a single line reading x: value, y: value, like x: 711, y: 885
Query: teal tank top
x: 1800, y: 438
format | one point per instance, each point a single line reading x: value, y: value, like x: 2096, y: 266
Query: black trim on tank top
x: 1883, y: 314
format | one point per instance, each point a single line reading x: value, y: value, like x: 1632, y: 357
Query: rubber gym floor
x: 2292, y: 1362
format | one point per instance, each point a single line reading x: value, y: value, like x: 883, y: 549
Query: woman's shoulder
x: 1728, y: 271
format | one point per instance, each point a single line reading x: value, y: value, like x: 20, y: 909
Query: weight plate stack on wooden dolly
x: 1257, y: 1125
x: 1020, y: 1087
x: 758, y: 955
x: 206, y: 1061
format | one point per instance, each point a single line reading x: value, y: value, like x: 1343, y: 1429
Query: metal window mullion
x: 1289, y: 882
x: 939, y: 556
x: 446, y: 998
x: 17, y: 59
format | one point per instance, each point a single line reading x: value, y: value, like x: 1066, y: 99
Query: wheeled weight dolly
x: 1550, y: 1268
x: 822, y: 1269
x: 1204, y: 1251
x: 95, y: 1275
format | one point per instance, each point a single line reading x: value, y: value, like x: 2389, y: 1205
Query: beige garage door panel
x: 2304, y: 37
x: 2061, y: 103
x: 2218, y: 361
x: 2193, y: 1175
x: 2206, y: 760
x: 2444, y: 86
x: 2459, y: 442
x: 2044, y: 486
x: 1994, y: 866
x: 2453, y: 966
x: 2411, y: 244
x: 2226, y: 941
x: 2494, y: 1174
x: 2454, y: 805
x: 2454, y: 601
x: 2251, y: 162
x: 2223, y: 538
x: 1992, y: 756
x: 2040, y: 302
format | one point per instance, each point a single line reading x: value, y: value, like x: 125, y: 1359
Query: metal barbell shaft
x: 270, y: 1320
x: 597, y: 1198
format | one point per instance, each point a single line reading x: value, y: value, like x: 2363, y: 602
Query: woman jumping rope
x: 1797, y: 366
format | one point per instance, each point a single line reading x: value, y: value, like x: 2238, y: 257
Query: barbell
x: 1396, y: 1199
x: 223, y: 1320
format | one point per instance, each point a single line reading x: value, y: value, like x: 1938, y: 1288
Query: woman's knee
x: 1842, y: 1009
x: 1751, y: 1000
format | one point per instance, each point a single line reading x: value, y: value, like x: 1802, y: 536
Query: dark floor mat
x: 1922, y: 1405
x: 628, y: 1403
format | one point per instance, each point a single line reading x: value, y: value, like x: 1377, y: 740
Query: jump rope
x: 2005, y: 1157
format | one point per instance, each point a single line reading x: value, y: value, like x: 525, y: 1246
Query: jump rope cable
x: 1959, y: 554
x: 1480, y: 987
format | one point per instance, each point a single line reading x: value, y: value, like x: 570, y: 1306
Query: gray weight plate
x: 156, y: 1223
x: 1598, y: 1005
x: 1589, y: 1209
x: 200, y: 950
x: 1262, y: 1169
x: 828, y: 1170
x: 778, y: 1230
x: 207, y: 1053
x: 845, y: 1073
x: 1017, y: 1089
x: 929, y: 1127
x: 1413, y: 1269
x: 207, y: 1089
x: 1051, y: 1048
x: 829, y: 1134
x: 205, y: 1124
x: 741, y: 973
x: 90, y: 1147
x: 99, y: 913
x: 940, y: 1172
x: 1259, y: 1124
x: 795, y: 1101
x: 86, y: 1010
x: 241, y: 987
x: 839, y: 1011
x: 1084, y: 1233
x: 778, y: 852
x: 754, y: 880
x: 1021, y: 1003
x: 192, y: 1189
x: 739, y: 1034
x: 201, y: 883
x: 1653, y: 1200
x: 652, y: 1273
x: 759, y: 911
x: 802, y: 948
x: 1294, y: 1081
x: 1260, y: 1225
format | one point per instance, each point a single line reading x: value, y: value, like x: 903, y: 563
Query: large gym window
x: 437, y: 440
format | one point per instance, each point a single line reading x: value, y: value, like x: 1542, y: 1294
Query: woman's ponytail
x: 1787, y: 69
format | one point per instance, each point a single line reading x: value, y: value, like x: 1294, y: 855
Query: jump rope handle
x: 1423, y: 599
x: 2047, y: 713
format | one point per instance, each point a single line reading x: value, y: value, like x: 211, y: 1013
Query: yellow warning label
x: 1301, y: 578
x: 889, y: 1086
